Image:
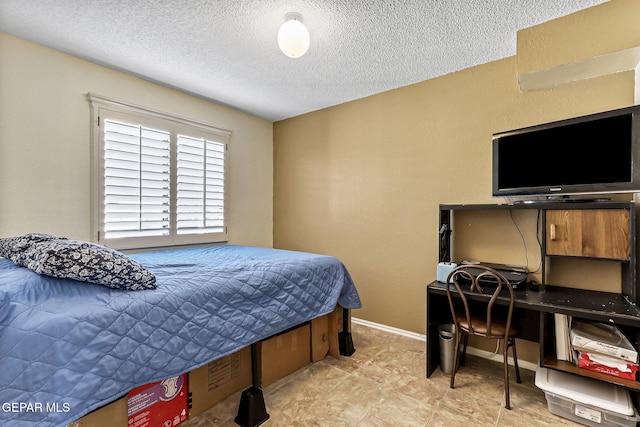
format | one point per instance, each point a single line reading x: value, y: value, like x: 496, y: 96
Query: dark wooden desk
x: 533, y: 314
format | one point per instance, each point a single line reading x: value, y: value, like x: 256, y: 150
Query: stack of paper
x: 604, y: 348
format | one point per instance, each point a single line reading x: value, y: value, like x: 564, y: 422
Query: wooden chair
x: 475, y: 320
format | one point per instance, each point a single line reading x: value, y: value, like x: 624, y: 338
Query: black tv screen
x: 584, y: 155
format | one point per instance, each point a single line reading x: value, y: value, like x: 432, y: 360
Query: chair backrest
x: 466, y: 279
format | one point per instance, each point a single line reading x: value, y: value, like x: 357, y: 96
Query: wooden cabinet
x: 593, y: 233
x: 604, y: 231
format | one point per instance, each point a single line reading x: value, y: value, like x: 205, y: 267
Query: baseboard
x: 470, y: 350
x: 391, y: 329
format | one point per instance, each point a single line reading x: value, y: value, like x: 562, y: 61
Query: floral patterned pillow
x: 15, y: 248
x: 78, y: 260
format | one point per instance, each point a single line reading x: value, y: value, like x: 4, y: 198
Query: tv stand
x: 594, y: 230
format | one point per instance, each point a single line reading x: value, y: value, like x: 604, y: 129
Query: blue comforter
x: 68, y: 347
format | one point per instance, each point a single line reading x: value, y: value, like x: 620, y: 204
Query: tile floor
x: 384, y: 384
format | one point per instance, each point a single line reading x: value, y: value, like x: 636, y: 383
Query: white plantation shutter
x: 158, y: 180
x: 200, y: 181
x: 136, y: 181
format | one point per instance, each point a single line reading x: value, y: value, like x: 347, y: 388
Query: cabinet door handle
x: 552, y: 231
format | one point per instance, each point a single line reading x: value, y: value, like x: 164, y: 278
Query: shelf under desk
x: 610, y: 308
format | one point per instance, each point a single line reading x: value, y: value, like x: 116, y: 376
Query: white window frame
x: 103, y: 108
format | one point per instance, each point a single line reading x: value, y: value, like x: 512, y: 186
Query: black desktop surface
x: 558, y: 299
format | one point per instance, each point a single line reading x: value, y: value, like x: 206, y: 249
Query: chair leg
x: 515, y: 359
x: 454, y: 365
x: 506, y: 373
x: 464, y: 349
x: 460, y: 336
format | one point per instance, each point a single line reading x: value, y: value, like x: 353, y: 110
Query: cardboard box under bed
x: 210, y: 384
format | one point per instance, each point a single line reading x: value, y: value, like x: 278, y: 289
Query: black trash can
x: 447, y: 341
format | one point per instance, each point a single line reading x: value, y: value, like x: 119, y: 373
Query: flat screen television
x: 594, y: 154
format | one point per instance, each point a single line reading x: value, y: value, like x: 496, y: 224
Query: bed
x: 68, y: 347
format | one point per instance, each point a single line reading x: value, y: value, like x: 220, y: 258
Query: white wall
x: 45, y: 146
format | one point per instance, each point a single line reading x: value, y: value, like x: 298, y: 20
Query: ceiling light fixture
x: 293, y: 36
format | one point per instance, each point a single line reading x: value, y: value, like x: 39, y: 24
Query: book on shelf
x: 600, y: 338
x: 562, y: 324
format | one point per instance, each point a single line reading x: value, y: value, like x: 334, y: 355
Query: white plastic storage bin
x: 585, y: 400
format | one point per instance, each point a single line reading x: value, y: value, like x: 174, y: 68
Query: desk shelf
x: 581, y: 238
x: 560, y: 365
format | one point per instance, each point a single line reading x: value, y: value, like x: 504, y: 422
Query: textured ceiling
x: 226, y: 50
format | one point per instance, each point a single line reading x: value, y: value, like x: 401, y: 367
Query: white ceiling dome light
x: 293, y: 36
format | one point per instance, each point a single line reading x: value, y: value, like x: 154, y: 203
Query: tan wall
x: 45, y: 144
x: 594, y: 32
x: 362, y: 181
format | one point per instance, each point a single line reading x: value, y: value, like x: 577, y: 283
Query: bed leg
x: 252, y: 410
x: 345, y: 340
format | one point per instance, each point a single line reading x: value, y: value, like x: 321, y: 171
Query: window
x: 137, y: 171
x: 158, y: 180
x: 200, y: 198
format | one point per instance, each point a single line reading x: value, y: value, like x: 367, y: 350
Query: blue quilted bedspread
x: 69, y: 347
